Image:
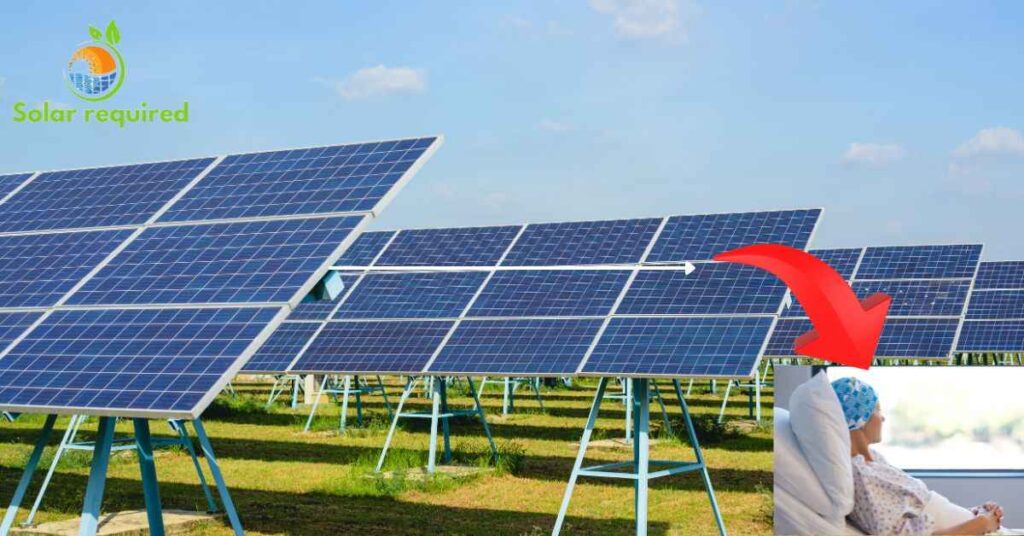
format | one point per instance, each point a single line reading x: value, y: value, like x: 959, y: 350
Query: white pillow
x: 820, y: 428
x: 793, y: 473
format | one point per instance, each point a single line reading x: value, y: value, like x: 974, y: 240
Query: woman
x: 886, y: 499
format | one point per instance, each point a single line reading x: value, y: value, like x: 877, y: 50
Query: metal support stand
x: 627, y: 396
x: 281, y: 384
x: 440, y: 413
x: 639, y: 469
x: 349, y: 386
x: 508, y: 393
x: 101, y: 449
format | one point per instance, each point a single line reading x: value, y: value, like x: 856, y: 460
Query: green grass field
x: 285, y: 481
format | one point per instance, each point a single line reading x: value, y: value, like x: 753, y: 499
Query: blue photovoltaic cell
x: 842, y: 260
x: 411, y: 295
x: 1000, y: 275
x: 996, y: 305
x: 697, y: 238
x: 467, y: 246
x: 930, y: 338
x: 694, y: 346
x: 919, y: 298
x: 9, y: 182
x: 128, y: 360
x: 13, y: 324
x: 550, y: 293
x: 378, y: 347
x: 510, y: 347
x: 713, y: 288
x: 342, y: 178
x: 365, y: 248
x: 322, y: 309
x: 919, y: 262
x: 281, y: 348
x: 591, y: 242
x: 37, y: 270
x: 262, y: 261
x: 121, y: 195
x: 991, y: 336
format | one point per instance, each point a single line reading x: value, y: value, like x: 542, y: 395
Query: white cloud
x: 873, y: 154
x: 647, y: 19
x: 381, y: 80
x: 551, y: 125
x: 992, y: 141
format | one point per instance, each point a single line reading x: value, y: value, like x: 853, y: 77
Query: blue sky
x: 902, y: 119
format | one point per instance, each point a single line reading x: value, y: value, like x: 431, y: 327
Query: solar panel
x: 902, y: 338
x: 97, y: 197
x: 674, y: 347
x: 525, y: 293
x: 590, y: 242
x: 131, y: 317
x: 37, y: 270
x: 1000, y: 275
x: 516, y: 346
x: 991, y: 336
x: 997, y: 305
x: 411, y: 295
x: 9, y: 182
x: 467, y: 246
x: 842, y: 260
x: 929, y: 286
x: 365, y: 249
x: 127, y: 362
x: 536, y: 316
x: 319, y: 180
x: 281, y: 348
x: 713, y: 288
x: 697, y: 238
x: 256, y: 261
x: 920, y: 262
x: 373, y: 347
x: 919, y: 297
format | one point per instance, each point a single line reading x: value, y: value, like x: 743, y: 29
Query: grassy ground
x: 288, y: 482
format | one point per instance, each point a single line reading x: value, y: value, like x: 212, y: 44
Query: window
x: 948, y: 418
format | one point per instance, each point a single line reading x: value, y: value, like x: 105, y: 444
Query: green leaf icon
x: 113, y: 34
x: 95, y: 32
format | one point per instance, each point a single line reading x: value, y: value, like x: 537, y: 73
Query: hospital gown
x: 888, y: 500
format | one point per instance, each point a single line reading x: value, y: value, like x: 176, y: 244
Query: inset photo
x: 899, y: 450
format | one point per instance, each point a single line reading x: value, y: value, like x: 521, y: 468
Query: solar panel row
x: 929, y: 286
x: 132, y: 318
x: 501, y: 302
x: 995, y: 314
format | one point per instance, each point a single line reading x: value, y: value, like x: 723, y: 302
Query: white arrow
x: 688, y: 268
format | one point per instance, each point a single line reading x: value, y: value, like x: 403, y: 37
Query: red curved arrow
x: 846, y: 330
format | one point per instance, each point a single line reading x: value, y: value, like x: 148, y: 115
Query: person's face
x: 873, y: 428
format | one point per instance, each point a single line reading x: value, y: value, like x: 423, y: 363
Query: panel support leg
x: 692, y: 435
x: 535, y: 382
x: 384, y: 395
x: 218, y: 478
x: 483, y: 419
x: 410, y: 384
x: 641, y: 452
x: 150, y: 487
x: 316, y: 403
x: 186, y: 441
x: 97, y: 478
x: 725, y: 400
x: 26, y: 476
x: 346, y: 387
x: 435, y: 404
x: 69, y: 437
x: 578, y: 464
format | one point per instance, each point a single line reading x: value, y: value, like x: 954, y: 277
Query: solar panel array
x: 995, y: 314
x: 140, y: 290
x: 601, y: 298
x: 929, y: 286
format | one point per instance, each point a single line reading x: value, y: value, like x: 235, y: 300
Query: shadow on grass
x: 322, y: 513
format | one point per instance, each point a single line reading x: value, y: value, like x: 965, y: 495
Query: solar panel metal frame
x: 152, y: 221
x: 990, y: 321
x: 961, y: 318
x: 636, y: 268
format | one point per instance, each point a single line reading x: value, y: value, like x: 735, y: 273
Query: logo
x: 96, y: 69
